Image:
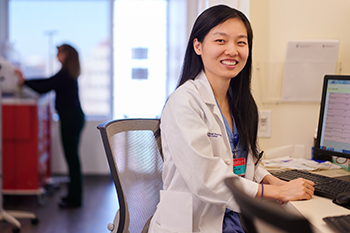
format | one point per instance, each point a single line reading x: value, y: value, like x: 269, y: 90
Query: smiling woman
x: 224, y: 53
x: 209, y: 131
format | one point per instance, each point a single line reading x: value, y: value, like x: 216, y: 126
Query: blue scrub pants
x: 231, y: 222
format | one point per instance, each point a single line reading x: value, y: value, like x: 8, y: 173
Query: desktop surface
x: 319, y: 207
x: 316, y: 209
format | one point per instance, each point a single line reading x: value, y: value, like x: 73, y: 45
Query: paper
x: 8, y: 77
x: 293, y: 157
x: 307, y: 62
x: 298, y: 163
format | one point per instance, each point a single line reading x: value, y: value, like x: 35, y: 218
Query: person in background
x: 209, y: 132
x: 72, y: 117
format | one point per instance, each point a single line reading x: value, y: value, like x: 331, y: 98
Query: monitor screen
x: 333, y: 133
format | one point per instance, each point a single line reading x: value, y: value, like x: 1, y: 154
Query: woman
x: 209, y: 132
x: 72, y: 118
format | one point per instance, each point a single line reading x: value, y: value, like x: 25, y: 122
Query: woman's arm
x: 270, y: 179
x: 274, y: 188
x: 41, y: 85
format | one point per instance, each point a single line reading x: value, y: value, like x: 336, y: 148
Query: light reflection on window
x: 140, y: 57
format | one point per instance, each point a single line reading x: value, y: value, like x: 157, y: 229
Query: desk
x: 319, y: 207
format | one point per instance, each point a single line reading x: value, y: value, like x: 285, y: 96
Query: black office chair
x: 133, y: 150
x: 253, y: 209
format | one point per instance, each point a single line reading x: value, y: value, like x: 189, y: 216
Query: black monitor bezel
x: 317, y: 148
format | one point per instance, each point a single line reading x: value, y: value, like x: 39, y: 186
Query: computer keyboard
x: 340, y: 223
x: 324, y: 186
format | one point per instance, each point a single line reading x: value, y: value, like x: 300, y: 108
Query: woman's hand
x: 20, y: 77
x: 298, y: 189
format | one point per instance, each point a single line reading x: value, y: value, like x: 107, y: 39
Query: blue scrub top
x: 231, y: 134
x: 231, y: 223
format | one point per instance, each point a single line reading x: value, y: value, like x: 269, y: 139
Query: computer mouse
x: 343, y: 198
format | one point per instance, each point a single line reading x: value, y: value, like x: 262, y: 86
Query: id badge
x: 239, y: 166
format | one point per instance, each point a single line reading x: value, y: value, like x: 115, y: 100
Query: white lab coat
x: 197, y: 159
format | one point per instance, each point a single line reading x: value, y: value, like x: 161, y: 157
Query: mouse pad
x: 345, y: 206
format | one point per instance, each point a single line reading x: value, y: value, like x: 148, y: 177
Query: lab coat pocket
x: 176, y: 211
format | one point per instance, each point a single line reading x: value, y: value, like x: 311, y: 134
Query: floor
x: 99, y: 208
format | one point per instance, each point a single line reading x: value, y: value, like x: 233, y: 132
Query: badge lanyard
x: 238, y: 163
x: 235, y: 143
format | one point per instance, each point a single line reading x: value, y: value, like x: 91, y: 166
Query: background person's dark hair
x: 240, y: 96
x: 71, y: 63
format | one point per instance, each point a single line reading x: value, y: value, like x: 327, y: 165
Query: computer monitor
x: 333, y: 132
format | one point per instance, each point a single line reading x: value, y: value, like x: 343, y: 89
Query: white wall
x: 92, y: 154
x: 275, y: 22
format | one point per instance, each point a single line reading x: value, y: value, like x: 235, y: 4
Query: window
x: 140, y: 57
x: 137, y: 88
x: 36, y: 27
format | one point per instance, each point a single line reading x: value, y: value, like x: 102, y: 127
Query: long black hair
x: 242, y: 104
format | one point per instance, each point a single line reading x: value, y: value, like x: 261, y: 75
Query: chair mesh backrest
x: 137, y: 156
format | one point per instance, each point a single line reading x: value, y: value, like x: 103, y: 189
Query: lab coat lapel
x: 207, y: 94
